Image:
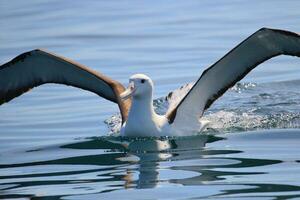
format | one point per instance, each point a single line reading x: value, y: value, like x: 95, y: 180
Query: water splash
x: 229, y: 121
x: 114, y: 124
x: 246, y: 106
x: 239, y: 87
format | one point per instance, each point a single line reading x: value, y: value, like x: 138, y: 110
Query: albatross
x: 135, y: 102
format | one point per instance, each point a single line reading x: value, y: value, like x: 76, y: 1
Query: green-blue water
x: 54, y: 143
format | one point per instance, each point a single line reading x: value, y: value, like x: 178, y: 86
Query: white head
x: 140, y: 86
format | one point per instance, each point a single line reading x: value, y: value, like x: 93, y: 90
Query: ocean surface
x: 56, y: 143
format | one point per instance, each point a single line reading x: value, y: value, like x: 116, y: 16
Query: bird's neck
x: 142, y: 107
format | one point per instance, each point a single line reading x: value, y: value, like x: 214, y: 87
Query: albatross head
x: 140, y: 87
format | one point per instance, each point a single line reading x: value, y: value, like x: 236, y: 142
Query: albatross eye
x: 143, y: 81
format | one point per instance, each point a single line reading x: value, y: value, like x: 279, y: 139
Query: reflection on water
x: 102, y: 167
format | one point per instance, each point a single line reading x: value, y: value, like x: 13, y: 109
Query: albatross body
x: 184, y: 114
x: 143, y: 120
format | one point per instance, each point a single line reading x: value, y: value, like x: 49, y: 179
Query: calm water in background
x: 53, y: 140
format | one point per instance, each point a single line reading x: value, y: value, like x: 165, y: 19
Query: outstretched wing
x: 38, y: 67
x: 217, y: 79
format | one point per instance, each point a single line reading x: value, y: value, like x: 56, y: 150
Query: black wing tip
x: 285, y: 32
x: 41, y: 50
x: 21, y: 57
